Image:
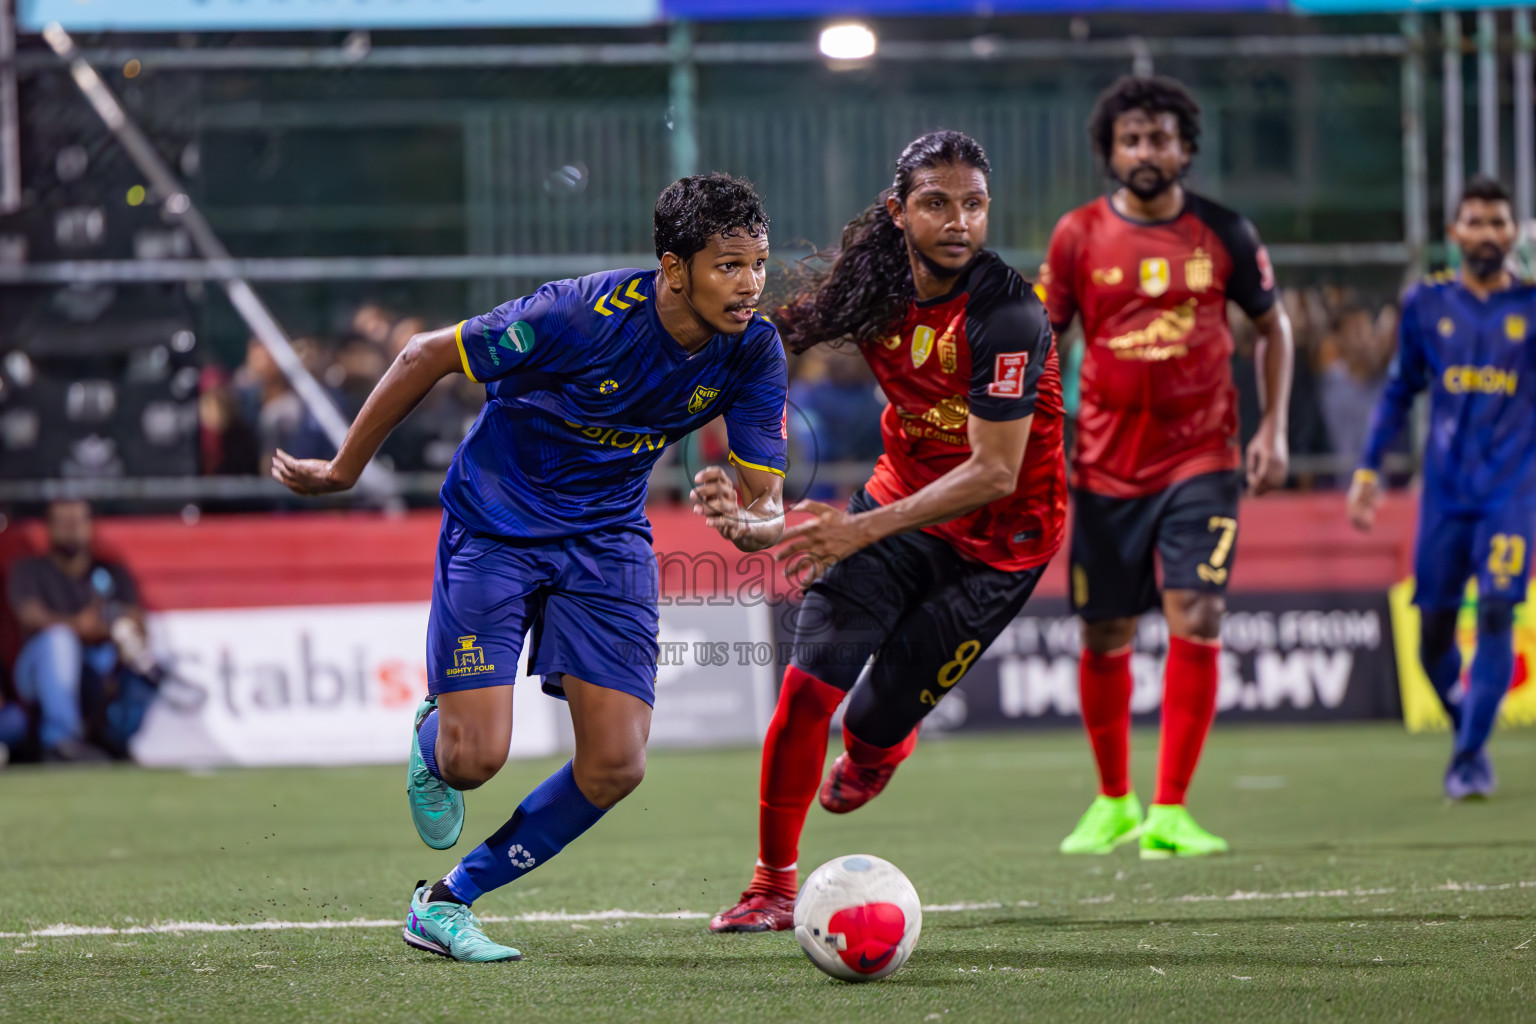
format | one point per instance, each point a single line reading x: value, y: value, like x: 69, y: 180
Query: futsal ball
x: 858, y: 918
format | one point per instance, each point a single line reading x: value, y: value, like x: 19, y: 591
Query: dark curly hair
x: 692, y: 210
x: 1155, y: 94
x: 870, y: 281
x: 1482, y: 188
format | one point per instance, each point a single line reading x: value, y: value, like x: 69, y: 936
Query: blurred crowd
x: 246, y: 414
x: 1344, y: 345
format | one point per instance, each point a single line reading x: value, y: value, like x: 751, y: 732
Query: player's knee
x: 606, y: 781
x: 1495, y: 618
x: 1108, y: 635
x: 468, y: 765
x: 1195, y: 615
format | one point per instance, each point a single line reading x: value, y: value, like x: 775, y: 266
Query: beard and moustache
x: 1146, y: 182
x: 66, y: 549
x: 936, y: 268
x: 1484, y: 260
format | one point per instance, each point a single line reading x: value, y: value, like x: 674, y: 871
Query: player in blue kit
x: 544, y: 527
x: 1468, y: 339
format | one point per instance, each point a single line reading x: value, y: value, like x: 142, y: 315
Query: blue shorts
x: 589, y: 602
x: 1494, y: 545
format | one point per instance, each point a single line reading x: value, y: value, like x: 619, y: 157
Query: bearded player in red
x: 1156, y: 465
x: 940, y: 550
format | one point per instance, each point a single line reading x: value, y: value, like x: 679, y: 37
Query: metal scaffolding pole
x: 1487, y: 93
x: 683, y: 117
x: 1525, y: 119
x: 639, y: 54
x: 1455, y: 108
x: 178, y: 204
x: 1415, y: 175
x: 10, y: 118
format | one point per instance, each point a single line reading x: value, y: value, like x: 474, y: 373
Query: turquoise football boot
x: 437, y: 809
x: 451, y: 930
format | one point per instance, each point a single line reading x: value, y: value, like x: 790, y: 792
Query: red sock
x: 793, y: 753
x: 869, y: 755
x: 1189, y: 705
x: 1104, y: 686
x: 785, y: 883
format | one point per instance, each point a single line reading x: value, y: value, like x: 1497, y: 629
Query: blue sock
x: 548, y: 818
x: 1441, y: 658
x: 426, y: 742
x: 1493, y: 668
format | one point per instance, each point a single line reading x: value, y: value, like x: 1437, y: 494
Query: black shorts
x: 912, y: 603
x: 1192, y: 526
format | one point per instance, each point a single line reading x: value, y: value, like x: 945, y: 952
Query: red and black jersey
x: 983, y: 350
x: 1158, y: 405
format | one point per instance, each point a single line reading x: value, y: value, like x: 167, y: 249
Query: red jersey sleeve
x: 1058, y: 274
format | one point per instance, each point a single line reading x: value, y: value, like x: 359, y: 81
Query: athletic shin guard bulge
x: 1493, y: 668
x: 1441, y: 658
x: 555, y: 813
x: 1104, y: 687
x: 793, y: 753
x: 1189, y: 705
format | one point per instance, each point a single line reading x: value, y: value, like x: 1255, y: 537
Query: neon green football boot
x: 437, y: 809
x: 1110, y: 821
x: 451, y: 930
x: 1169, y: 831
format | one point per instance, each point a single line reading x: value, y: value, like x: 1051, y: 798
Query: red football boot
x: 768, y: 905
x: 757, y: 912
x: 849, y: 786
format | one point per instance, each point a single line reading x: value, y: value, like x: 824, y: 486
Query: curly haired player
x: 1155, y: 464
x: 942, y: 547
x: 544, y: 525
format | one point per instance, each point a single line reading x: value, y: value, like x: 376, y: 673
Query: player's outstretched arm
x: 424, y: 361
x: 991, y: 472
x: 1408, y: 376
x: 754, y: 523
x: 1269, y: 454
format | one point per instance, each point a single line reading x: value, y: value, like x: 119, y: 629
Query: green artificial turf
x: 1354, y: 893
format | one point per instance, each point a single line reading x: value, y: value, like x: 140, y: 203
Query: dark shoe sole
x: 428, y: 946
x: 745, y: 929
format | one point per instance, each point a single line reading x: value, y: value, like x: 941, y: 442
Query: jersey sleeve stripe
x: 458, y: 339
x: 737, y: 460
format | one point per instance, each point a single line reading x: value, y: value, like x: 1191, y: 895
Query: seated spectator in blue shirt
x: 76, y: 614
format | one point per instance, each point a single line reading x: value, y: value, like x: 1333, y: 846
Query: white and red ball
x: 858, y: 917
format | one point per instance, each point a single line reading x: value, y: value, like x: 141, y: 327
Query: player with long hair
x: 544, y: 525
x: 937, y: 553
x: 1156, y: 466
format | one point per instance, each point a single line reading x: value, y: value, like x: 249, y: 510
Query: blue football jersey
x: 1476, y: 358
x: 584, y: 390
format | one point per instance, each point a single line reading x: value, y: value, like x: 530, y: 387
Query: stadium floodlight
x: 847, y: 41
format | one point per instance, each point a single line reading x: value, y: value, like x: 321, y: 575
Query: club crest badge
x: 922, y: 345
x: 1154, y: 276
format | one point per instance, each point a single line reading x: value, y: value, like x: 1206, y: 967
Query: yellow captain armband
x: 1366, y: 476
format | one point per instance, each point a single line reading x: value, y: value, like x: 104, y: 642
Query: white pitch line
x: 1239, y: 896
x: 69, y: 931
x: 1474, y: 887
